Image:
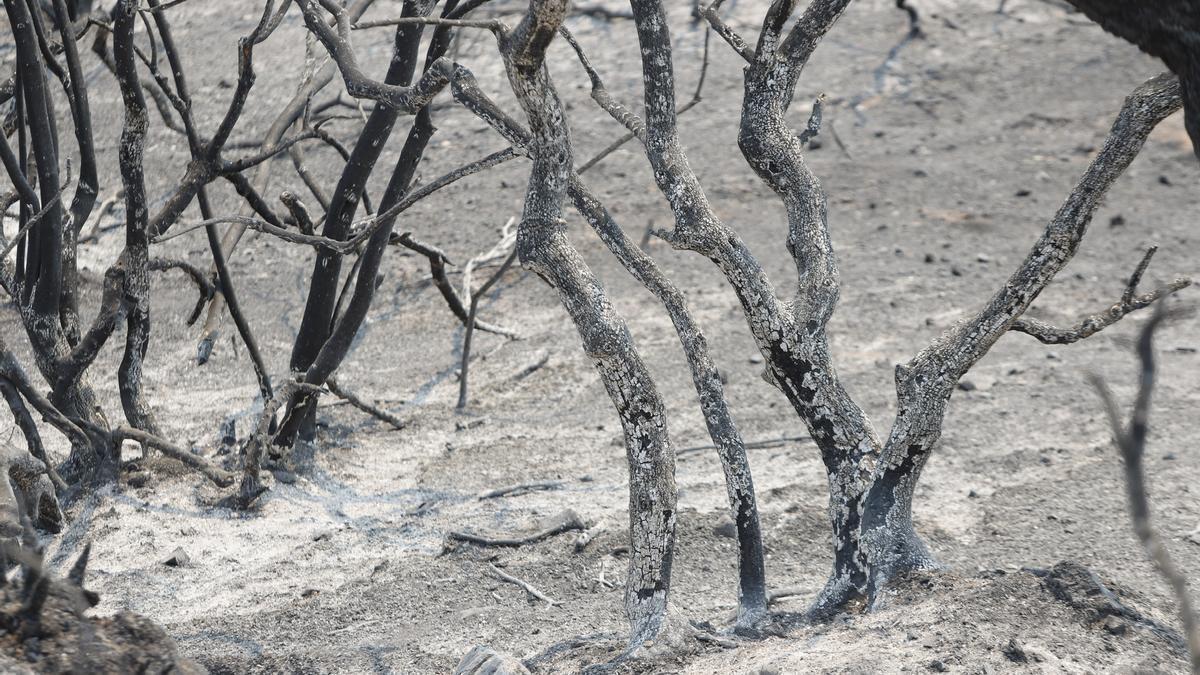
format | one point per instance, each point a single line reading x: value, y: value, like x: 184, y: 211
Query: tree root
x: 676, y: 638
x: 778, y: 624
x: 216, y: 474
x: 570, y: 644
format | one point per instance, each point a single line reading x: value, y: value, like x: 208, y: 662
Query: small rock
x: 983, y: 258
x: 1163, y: 180
x: 483, y: 659
x: 179, y: 558
x: 1014, y: 652
x: 309, y: 592
x: 920, y: 173
x: 955, y: 271
x: 286, y: 477
x: 966, y: 385
x: 1116, y: 221
x: 972, y: 494
x: 138, y: 479
x: 756, y: 358
x: 471, y: 424
x: 939, y: 666
x: 1170, y: 456
x: 1023, y: 192
x: 1115, y: 625
x: 929, y: 258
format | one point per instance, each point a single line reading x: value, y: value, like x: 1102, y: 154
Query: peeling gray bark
x: 752, y: 602
x: 137, y: 244
x: 543, y: 247
x: 26, y: 491
x: 731, y: 449
x: 791, y: 337
x: 871, y: 484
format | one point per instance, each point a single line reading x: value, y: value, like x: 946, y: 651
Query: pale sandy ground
x: 342, y: 569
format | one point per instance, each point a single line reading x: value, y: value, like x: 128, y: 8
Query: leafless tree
x: 871, y: 478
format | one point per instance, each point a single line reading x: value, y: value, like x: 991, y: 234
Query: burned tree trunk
x: 137, y: 242
x: 544, y: 248
x: 925, y: 384
x: 791, y: 339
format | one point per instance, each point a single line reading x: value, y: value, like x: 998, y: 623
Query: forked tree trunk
x: 925, y: 384
x: 791, y: 339
x: 544, y: 248
x: 317, y: 322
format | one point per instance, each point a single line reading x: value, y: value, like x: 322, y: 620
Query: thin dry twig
x: 466, y: 352
x: 374, y: 411
x: 1130, y: 302
x: 522, y: 488
x: 566, y: 521
x: 529, y: 588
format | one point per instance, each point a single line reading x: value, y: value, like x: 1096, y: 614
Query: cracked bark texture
x: 752, y: 600
x: 137, y: 244
x: 543, y: 247
x: 791, y: 337
x: 731, y: 449
x: 925, y: 384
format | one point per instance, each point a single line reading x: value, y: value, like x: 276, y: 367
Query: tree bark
x: 543, y: 247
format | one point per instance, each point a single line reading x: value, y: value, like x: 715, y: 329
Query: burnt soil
x: 943, y: 158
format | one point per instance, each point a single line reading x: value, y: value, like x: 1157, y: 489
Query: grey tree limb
x: 543, y: 248
x: 926, y: 382
x: 791, y: 336
x: 1130, y: 302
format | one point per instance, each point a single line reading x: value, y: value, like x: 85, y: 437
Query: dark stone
x: 1014, y: 652
x: 179, y: 558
